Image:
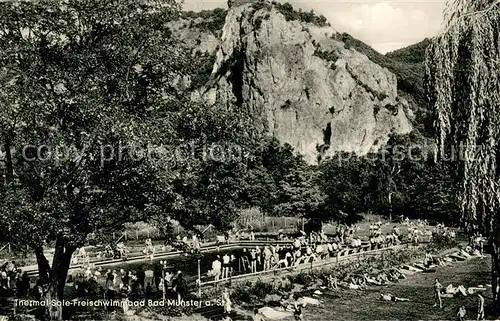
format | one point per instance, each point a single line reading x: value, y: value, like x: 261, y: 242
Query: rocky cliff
x: 302, y: 84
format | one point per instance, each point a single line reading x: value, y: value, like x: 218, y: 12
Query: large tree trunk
x: 390, y: 207
x: 43, y: 265
x: 58, y: 275
x: 495, y: 274
x: 9, y: 165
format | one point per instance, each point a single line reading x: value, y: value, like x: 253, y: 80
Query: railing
x: 138, y: 257
x: 6, y: 246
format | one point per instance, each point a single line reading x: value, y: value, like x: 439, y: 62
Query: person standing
x: 288, y: 259
x: 258, y: 253
x: 216, y: 268
x: 196, y: 243
x: 275, y: 258
x: 226, y: 259
x: 267, y: 258
x: 480, y: 243
x: 157, y: 275
x: 245, y: 261
x: 179, y: 286
x: 297, y: 312
x: 4, y: 279
x: 168, y: 280
x: 141, y: 277
x: 233, y: 265
x: 296, y: 246
x: 480, y: 307
x: 148, y: 292
x: 11, y: 274
x: 226, y: 301
x: 437, y: 293
x: 19, y: 284
x: 461, y: 313
x: 253, y: 261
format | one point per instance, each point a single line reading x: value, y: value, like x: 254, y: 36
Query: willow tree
x: 463, y: 83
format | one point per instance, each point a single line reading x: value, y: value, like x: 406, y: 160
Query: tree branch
x: 475, y: 13
x: 134, y: 57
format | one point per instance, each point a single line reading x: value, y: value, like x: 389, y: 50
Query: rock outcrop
x: 302, y: 85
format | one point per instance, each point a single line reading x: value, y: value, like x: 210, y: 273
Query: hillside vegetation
x: 413, y: 54
x: 207, y: 20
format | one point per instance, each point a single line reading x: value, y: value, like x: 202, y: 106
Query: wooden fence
x: 264, y: 223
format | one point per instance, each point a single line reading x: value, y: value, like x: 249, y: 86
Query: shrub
x: 326, y: 55
x: 441, y: 241
x: 252, y: 292
x: 282, y: 285
x: 213, y: 20
x: 303, y: 278
x: 260, y: 289
x: 202, y: 69
x: 256, y: 291
x: 241, y: 293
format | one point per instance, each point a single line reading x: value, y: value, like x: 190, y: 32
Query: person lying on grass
x: 393, y: 275
x: 390, y: 297
x: 382, y: 278
x: 371, y: 281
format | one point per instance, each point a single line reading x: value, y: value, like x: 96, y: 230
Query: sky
x: 385, y: 25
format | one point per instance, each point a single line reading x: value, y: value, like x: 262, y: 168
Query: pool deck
x: 139, y: 258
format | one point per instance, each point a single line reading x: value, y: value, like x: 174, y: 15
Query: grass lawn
x: 366, y: 305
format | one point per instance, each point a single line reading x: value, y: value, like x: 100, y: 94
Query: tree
x: 86, y: 89
x: 406, y: 181
x: 209, y: 183
x: 463, y: 83
x: 342, y: 179
x: 433, y: 195
x: 299, y: 194
x: 395, y: 168
x: 280, y: 182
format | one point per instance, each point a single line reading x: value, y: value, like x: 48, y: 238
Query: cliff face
x: 302, y: 85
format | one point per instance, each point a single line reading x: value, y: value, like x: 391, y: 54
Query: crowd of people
x: 306, y: 248
x: 97, y: 283
x: 303, y: 249
x: 13, y: 281
x: 114, y: 251
x: 130, y: 284
x: 345, y: 237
